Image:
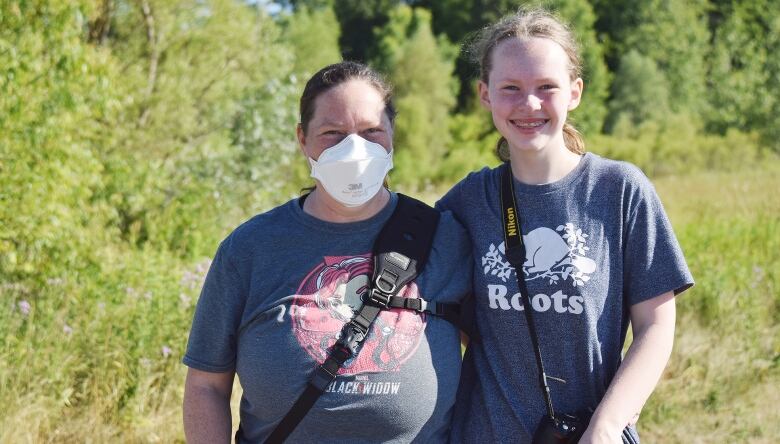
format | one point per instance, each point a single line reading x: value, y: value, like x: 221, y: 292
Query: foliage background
x: 135, y: 134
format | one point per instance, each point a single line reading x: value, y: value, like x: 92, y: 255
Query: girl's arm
x: 207, y: 406
x: 652, y: 324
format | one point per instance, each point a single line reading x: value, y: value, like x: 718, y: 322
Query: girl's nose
x: 532, y: 102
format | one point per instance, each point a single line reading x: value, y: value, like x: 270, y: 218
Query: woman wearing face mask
x: 283, y: 284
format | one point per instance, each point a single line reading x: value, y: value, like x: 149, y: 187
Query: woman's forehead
x: 353, y: 100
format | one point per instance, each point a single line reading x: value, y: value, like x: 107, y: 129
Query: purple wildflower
x: 24, y: 307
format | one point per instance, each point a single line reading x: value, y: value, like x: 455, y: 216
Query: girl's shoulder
x: 617, y: 172
x: 471, y: 188
x: 479, y: 178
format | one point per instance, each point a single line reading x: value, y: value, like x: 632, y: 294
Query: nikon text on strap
x: 515, y: 254
x: 400, y: 253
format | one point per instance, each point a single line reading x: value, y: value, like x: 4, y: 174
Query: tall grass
x: 94, y: 357
x: 93, y: 354
x: 723, y: 381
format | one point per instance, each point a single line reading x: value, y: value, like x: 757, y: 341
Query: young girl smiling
x: 599, y: 253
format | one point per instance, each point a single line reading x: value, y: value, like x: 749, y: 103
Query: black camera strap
x: 515, y: 254
x: 400, y: 252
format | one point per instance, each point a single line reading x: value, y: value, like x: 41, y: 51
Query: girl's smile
x: 529, y: 126
x: 530, y: 92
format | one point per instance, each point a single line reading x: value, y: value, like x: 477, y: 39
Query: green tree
x: 744, y: 87
x: 359, y: 19
x: 53, y: 91
x: 420, y: 68
x: 313, y: 35
x: 187, y: 70
x: 639, y: 92
x: 458, y: 18
x: 672, y: 33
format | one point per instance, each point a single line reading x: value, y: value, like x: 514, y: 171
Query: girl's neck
x: 542, y: 167
x: 320, y: 205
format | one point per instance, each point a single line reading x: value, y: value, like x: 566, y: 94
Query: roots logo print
x: 327, y: 299
x: 556, y: 256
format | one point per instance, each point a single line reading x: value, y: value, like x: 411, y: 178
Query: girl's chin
x: 528, y: 145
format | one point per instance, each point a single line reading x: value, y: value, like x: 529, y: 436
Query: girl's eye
x: 510, y: 88
x: 548, y: 87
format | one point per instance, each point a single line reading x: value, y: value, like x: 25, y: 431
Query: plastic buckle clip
x: 351, y: 339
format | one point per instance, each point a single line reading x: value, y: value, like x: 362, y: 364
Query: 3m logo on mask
x: 556, y: 258
x: 355, y: 187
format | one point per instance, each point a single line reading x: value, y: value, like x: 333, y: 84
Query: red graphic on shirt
x: 327, y: 299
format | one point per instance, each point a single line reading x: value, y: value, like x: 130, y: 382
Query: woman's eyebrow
x: 327, y: 122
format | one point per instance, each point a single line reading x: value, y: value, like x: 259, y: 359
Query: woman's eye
x: 549, y: 86
x: 510, y: 88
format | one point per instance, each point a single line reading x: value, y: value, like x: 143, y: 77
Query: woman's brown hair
x: 336, y: 74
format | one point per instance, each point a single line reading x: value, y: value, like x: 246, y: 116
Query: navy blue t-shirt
x: 278, y: 293
x: 598, y: 241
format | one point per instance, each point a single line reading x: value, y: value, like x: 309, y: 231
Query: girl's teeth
x: 529, y: 125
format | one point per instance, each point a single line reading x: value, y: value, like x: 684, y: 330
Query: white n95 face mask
x: 353, y: 170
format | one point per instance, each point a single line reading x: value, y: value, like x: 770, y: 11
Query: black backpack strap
x: 400, y: 253
x: 448, y: 312
x: 402, y: 248
x: 416, y: 225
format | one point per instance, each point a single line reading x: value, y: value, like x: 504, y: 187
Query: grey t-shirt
x: 280, y: 289
x: 598, y: 241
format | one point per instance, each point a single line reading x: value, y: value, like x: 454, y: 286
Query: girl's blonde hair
x: 525, y: 24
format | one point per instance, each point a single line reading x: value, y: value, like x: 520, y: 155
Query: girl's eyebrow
x: 526, y: 76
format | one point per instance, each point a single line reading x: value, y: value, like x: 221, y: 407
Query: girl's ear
x: 576, y: 93
x: 482, y: 92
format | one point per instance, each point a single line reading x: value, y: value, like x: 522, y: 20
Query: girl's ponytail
x: 502, y: 149
x: 573, y: 139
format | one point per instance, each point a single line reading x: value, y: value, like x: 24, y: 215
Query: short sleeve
x: 451, y: 258
x: 212, y: 342
x: 450, y: 201
x: 653, y: 260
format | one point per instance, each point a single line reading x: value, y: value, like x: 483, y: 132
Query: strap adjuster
x: 379, y: 298
x: 417, y: 304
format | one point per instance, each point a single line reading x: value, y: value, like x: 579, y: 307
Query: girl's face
x: 529, y: 92
x: 353, y: 107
